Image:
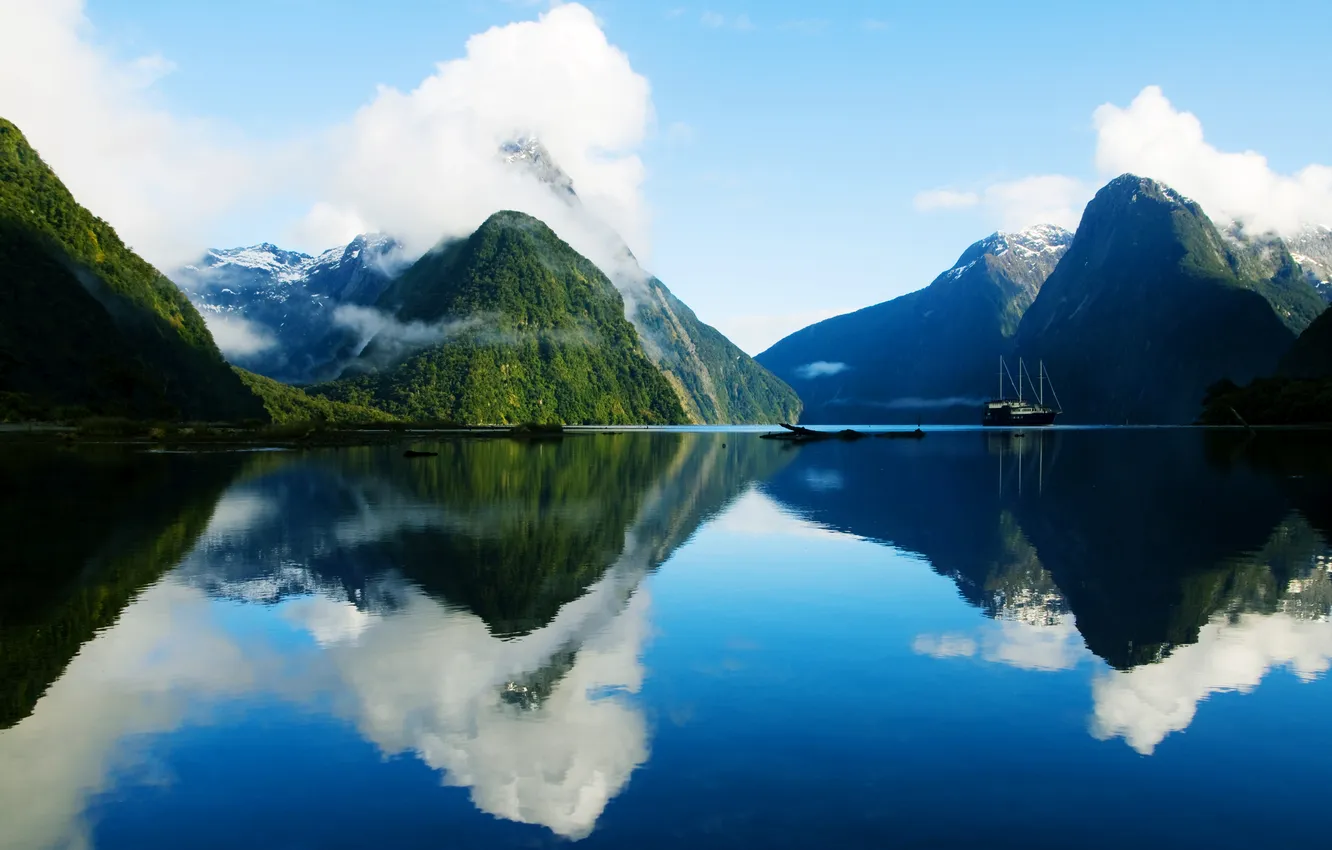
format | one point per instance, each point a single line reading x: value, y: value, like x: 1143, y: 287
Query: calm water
x: 1073, y: 639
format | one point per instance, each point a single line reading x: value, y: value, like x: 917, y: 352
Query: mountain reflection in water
x: 487, y: 613
x: 1190, y: 563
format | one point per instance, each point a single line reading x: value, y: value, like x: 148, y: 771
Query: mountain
x: 508, y: 325
x: 85, y: 322
x: 931, y: 353
x: 1312, y: 249
x: 61, y: 582
x: 284, y: 305
x: 716, y: 382
x: 1151, y: 305
x: 1311, y: 355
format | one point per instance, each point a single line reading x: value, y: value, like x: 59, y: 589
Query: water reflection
x: 484, y: 613
x: 1188, y: 563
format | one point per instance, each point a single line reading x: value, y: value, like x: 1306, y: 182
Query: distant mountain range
x: 287, y: 312
x: 283, y: 303
x: 1135, y: 316
x: 931, y: 354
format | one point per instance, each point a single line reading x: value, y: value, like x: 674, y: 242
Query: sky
x: 774, y: 163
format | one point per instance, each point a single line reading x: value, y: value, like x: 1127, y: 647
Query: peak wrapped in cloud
x: 420, y: 164
x: 1150, y: 137
x: 423, y: 163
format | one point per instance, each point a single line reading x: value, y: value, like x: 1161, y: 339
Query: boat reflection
x: 1190, y: 563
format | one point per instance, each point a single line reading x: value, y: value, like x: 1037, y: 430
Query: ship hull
x: 1006, y: 417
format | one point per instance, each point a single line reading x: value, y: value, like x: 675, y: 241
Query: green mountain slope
x: 1150, y: 306
x: 285, y: 403
x: 86, y: 322
x: 931, y: 353
x: 522, y: 328
x: 716, y: 382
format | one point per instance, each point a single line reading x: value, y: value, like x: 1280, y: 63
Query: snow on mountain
x: 271, y: 310
x: 1312, y: 249
x: 529, y: 152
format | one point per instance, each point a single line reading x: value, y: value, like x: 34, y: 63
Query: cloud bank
x: 425, y: 163
x: 236, y: 336
x: 1152, y: 138
x: 421, y: 164
x: 162, y: 180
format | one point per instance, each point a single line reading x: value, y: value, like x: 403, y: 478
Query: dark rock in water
x: 798, y: 434
x: 414, y: 453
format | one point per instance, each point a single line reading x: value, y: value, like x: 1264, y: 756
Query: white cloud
x: 1147, y: 703
x: 1026, y: 646
x: 1151, y: 138
x: 1016, y: 204
x: 420, y: 164
x: 163, y: 660
x: 236, y: 336
x: 423, y: 164
x: 160, y: 179
x: 950, y: 645
x: 820, y: 369
x: 1042, y: 199
x: 874, y: 25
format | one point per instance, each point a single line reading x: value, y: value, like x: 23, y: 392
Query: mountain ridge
x: 1151, y: 305
x: 526, y: 330
x: 87, y: 324
x: 926, y: 354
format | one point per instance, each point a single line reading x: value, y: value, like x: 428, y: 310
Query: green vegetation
x: 286, y: 404
x: 716, y: 382
x: 532, y: 332
x: 85, y: 322
x: 85, y: 532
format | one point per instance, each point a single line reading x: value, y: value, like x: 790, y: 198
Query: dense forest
x: 85, y: 323
x: 528, y: 331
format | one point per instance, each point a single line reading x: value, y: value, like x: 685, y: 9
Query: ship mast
x: 1021, y: 370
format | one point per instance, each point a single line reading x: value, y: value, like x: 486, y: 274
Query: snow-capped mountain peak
x: 529, y: 153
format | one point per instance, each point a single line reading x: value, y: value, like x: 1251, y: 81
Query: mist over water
x: 666, y: 638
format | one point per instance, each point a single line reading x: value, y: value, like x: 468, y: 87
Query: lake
x: 1072, y: 638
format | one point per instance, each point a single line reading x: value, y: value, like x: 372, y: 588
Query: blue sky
x: 783, y: 175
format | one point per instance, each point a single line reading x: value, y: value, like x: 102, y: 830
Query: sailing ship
x: 1021, y: 412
